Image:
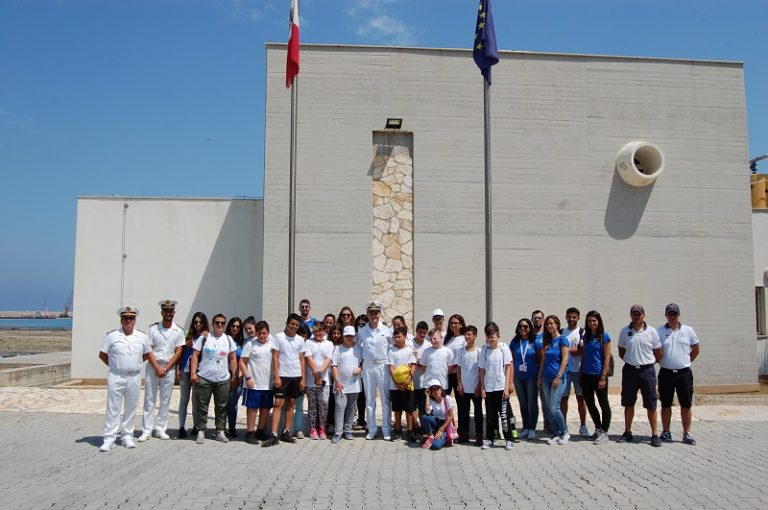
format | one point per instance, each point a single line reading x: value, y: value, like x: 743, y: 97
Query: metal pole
x: 292, y: 201
x: 488, y: 211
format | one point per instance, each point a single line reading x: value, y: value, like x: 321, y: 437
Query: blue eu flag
x: 484, y: 51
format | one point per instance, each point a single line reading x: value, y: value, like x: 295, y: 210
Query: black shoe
x: 666, y: 436
x: 272, y: 441
x: 194, y: 432
x: 261, y: 435
x: 250, y: 438
x: 479, y: 440
x: 232, y: 433
x: 182, y: 433
x: 626, y: 437
x: 396, y: 434
x: 411, y: 437
x: 286, y: 437
x: 655, y: 441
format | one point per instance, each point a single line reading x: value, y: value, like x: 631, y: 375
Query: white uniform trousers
x: 122, y: 389
x: 376, y: 375
x: 152, y: 386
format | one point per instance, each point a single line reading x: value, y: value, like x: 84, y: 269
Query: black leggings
x: 496, y: 406
x: 589, y: 388
x: 462, y: 402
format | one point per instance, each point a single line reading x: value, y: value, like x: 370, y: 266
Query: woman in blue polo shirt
x: 553, y: 376
x: 526, y: 356
x: 595, y: 362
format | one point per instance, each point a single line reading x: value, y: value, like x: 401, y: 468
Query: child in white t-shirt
x: 437, y: 359
x: 347, y: 366
x: 318, y: 361
x: 256, y: 367
x: 438, y: 416
x: 401, y: 392
x: 468, y: 390
x: 495, y: 364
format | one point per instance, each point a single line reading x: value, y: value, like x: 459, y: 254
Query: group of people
x: 433, y: 377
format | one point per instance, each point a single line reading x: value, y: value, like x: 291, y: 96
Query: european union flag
x: 484, y: 51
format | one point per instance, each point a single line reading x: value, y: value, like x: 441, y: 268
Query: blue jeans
x: 552, y: 398
x: 232, y: 403
x: 529, y: 406
x: 431, y: 424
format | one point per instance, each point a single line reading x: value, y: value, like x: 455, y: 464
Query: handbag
x: 453, y: 435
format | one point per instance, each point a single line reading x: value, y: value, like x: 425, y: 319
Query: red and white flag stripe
x: 292, y: 64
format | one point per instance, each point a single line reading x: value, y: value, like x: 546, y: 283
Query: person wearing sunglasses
x: 213, y: 362
x: 197, y: 327
x: 526, y: 356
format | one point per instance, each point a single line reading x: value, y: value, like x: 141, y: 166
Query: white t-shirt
x: 418, y: 373
x: 470, y: 372
x: 126, y: 352
x: 289, y: 348
x: 439, y: 410
x: 456, y: 344
x: 164, y: 341
x: 437, y: 362
x: 639, y: 345
x: 346, y: 360
x: 259, y: 363
x: 320, y: 351
x: 495, y: 362
x: 213, y: 365
x: 677, y: 345
x: 396, y: 357
x: 574, y: 337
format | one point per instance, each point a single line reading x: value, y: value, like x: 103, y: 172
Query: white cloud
x: 387, y: 29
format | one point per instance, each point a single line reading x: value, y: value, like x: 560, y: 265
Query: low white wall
x: 204, y: 253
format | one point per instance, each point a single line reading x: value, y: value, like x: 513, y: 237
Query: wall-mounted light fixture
x: 394, y: 124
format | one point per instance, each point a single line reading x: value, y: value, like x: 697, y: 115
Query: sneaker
x: 515, y: 436
x: 330, y: 430
x: 200, y: 437
x: 313, y: 434
x: 250, y: 437
x: 564, y: 439
x: 553, y: 440
x: 524, y: 433
x: 144, y: 437
x: 509, y: 445
x: 655, y: 441
x: 107, y: 445
x: 323, y: 435
x: 299, y: 434
x: 128, y: 442
x: 162, y: 436
x: 626, y: 437
x: 286, y: 437
x: 411, y: 437
x: 336, y: 439
x: 602, y: 437
x: 594, y: 436
x: 369, y: 436
x: 182, y: 433
x: 479, y: 440
x: 271, y: 441
x: 397, y: 434
x: 194, y: 431
x: 428, y: 442
x: 387, y: 438
x: 531, y: 434
x: 666, y: 436
x: 487, y: 444
x: 261, y: 435
x: 221, y: 437
x: 347, y: 436
x: 584, y: 431
x: 688, y: 439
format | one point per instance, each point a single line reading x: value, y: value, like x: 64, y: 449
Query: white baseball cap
x: 438, y: 311
x: 349, y: 331
x: 434, y: 382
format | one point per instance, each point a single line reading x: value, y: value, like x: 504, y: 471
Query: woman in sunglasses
x: 197, y: 327
x: 526, y: 358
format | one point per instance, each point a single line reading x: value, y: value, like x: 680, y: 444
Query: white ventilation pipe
x: 639, y: 163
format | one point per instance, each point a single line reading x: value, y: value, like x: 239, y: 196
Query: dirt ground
x: 35, y: 340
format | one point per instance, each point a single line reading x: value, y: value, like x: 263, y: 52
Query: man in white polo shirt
x: 640, y: 348
x: 681, y: 346
x: 373, y: 339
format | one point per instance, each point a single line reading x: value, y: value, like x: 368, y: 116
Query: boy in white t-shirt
x: 347, y: 365
x: 401, y: 393
x: 495, y: 364
x: 318, y: 361
x: 437, y: 358
x: 468, y: 391
x: 256, y: 367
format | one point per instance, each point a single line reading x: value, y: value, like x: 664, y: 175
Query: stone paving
x: 50, y: 460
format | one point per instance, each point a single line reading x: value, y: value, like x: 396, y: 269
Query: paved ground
x: 51, y: 461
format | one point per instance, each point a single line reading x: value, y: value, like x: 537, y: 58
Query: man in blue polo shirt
x: 681, y: 346
x: 640, y: 348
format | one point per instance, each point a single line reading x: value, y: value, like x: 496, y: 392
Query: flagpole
x: 488, y: 204
x: 292, y: 200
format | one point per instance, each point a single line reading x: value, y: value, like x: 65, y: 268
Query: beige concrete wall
x: 204, y: 253
x: 567, y: 230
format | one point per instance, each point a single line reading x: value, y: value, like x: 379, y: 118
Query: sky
x: 166, y: 97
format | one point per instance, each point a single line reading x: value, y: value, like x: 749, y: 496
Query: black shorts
x: 419, y: 399
x: 680, y: 381
x: 402, y: 400
x: 643, y: 379
x: 289, y: 388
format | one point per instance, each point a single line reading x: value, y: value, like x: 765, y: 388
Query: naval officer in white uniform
x: 166, y: 339
x: 123, y: 351
x: 373, y: 339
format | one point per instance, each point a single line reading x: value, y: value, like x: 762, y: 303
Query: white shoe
x: 107, y: 445
x: 221, y: 437
x: 487, y: 443
x: 584, y: 431
x: 144, y: 437
x: 387, y: 438
x: 602, y: 437
x: 369, y: 437
x: 509, y: 445
x: 564, y: 439
x: 200, y: 437
x: 163, y: 436
x: 532, y: 434
x: 553, y: 440
x: 128, y: 442
x: 299, y: 434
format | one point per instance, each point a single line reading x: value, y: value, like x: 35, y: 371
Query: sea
x: 57, y: 323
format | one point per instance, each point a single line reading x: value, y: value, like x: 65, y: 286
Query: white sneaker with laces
x: 369, y: 437
x: 487, y: 443
x: 128, y: 442
x: 163, y: 436
x: 602, y: 437
x: 584, y: 431
x: 553, y: 440
x: 299, y: 434
x: 509, y: 445
x: 221, y: 437
x: 144, y: 437
x: 564, y: 439
x: 200, y: 437
x: 107, y: 445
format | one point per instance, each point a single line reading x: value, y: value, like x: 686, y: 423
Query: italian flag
x: 292, y: 64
